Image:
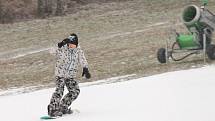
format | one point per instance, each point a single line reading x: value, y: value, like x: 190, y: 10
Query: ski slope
x: 187, y: 95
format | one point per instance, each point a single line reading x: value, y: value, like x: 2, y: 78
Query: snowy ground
x: 176, y: 96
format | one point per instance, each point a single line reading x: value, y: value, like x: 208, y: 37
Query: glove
x: 86, y: 73
x: 61, y: 44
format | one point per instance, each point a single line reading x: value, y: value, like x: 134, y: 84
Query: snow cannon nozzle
x: 195, y: 17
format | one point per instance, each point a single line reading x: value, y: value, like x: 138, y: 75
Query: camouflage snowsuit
x: 67, y: 61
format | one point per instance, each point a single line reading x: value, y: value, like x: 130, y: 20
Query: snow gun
x: 201, y: 23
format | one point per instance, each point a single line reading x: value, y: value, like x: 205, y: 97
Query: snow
x: 186, y: 95
x: 15, y: 91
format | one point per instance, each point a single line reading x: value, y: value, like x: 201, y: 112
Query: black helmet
x: 73, y: 39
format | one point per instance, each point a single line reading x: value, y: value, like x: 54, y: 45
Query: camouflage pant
x: 56, y: 102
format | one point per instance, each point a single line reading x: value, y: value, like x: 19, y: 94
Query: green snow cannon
x: 201, y: 23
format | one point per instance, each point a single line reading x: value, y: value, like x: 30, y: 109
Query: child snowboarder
x: 68, y: 57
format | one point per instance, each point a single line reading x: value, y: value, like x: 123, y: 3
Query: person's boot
x: 65, y: 110
x: 52, y: 112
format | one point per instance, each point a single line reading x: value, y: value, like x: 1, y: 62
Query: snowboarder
x: 68, y: 56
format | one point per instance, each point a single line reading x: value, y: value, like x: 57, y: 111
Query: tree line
x: 50, y: 7
x: 12, y: 10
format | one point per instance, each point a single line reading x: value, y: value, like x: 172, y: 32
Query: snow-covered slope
x: 176, y: 96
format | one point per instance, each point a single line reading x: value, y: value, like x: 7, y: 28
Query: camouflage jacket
x: 67, y: 61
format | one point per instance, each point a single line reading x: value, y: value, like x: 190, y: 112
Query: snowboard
x: 47, y: 117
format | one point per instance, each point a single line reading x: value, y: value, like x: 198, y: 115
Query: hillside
x: 119, y: 38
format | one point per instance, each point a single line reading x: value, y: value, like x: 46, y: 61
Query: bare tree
x: 6, y: 14
x: 60, y: 8
x: 44, y: 8
x: 40, y: 8
x: 1, y: 9
x: 48, y: 7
